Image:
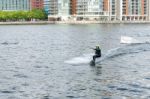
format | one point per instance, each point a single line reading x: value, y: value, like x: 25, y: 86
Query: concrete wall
x: 119, y: 10
x: 148, y: 10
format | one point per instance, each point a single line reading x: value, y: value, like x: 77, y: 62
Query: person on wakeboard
x: 97, y: 53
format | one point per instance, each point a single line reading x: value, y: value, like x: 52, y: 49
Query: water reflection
x: 97, y: 70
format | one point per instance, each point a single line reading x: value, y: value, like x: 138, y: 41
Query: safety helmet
x: 97, y: 46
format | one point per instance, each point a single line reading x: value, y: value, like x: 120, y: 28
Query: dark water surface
x: 32, y: 62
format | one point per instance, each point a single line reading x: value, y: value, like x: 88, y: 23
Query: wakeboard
x: 92, y: 63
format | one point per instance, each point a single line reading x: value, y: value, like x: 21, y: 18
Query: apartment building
x: 47, y: 6
x: 133, y: 10
x: 104, y: 10
x: 53, y: 7
x: 96, y: 9
x: 11, y: 5
x: 73, y: 7
x: 81, y: 9
x: 37, y: 4
x: 59, y: 9
x: 64, y: 8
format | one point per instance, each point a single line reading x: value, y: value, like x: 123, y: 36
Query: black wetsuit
x: 97, y: 53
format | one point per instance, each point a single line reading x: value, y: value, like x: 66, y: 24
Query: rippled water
x: 33, y: 62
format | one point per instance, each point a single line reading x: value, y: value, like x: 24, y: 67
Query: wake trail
x: 84, y: 59
x: 127, y: 49
x: 113, y: 53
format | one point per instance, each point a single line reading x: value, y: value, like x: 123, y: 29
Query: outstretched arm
x: 92, y: 48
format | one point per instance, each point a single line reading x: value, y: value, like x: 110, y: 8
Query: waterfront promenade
x: 70, y: 22
x: 99, y: 22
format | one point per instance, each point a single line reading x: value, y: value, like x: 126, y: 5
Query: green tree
x: 22, y: 15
